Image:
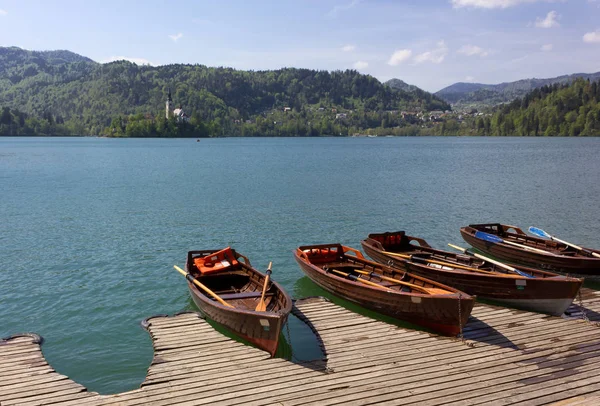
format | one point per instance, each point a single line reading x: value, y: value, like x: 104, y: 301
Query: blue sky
x: 431, y: 44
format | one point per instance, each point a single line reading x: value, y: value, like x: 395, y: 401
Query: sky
x: 431, y: 44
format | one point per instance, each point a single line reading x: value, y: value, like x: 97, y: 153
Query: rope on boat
x: 461, y: 335
x: 584, y: 315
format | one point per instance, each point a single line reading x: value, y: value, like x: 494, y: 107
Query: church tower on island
x: 169, y: 104
x: 178, y: 113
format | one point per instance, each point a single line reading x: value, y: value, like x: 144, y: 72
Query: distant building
x: 178, y: 113
x: 169, y: 104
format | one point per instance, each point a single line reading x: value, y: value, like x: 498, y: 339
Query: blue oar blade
x: 488, y: 237
x: 524, y: 274
x: 538, y: 232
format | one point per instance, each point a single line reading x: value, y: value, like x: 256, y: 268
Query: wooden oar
x: 262, y: 306
x: 490, y: 260
x: 356, y: 278
x: 541, y: 233
x: 201, y: 286
x: 495, y: 239
x: 433, y: 261
x: 398, y: 281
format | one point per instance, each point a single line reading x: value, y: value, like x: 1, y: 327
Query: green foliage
x: 556, y: 110
x: 477, y: 95
x: 69, y: 92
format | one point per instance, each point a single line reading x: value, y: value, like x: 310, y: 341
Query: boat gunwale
x: 553, y: 253
x: 551, y: 276
x: 453, y: 291
x: 283, y: 312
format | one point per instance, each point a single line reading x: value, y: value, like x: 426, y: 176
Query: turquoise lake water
x: 90, y: 228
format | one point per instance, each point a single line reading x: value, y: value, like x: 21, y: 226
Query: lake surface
x: 90, y: 228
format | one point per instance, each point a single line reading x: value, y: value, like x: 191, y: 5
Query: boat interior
x: 236, y: 283
x: 334, y: 259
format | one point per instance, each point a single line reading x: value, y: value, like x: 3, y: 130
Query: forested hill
x: 563, y: 110
x: 478, y: 95
x: 79, y: 96
x: 399, y: 84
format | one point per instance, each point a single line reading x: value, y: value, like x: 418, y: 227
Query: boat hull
x: 550, y: 295
x: 444, y: 314
x: 587, y: 267
x: 241, y: 286
x: 259, y: 328
x: 555, y: 307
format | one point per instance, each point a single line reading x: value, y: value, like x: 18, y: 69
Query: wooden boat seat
x: 242, y: 295
x: 216, y: 262
x: 335, y: 265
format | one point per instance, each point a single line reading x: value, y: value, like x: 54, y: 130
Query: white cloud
x: 399, y: 56
x: 137, y: 61
x: 435, y: 56
x: 361, y: 65
x: 348, y: 48
x: 490, y: 3
x: 548, y: 22
x: 592, y: 37
x: 469, y: 79
x: 343, y: 7
x: 3, y: 12
x: 472, y: 50
x: 547, y: 47
x: 176, y: 37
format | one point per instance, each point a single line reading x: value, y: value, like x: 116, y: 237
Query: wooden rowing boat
x: 544, y: 291
x: 540, y: 253
x: 231, y: 276
x: 344, y: 272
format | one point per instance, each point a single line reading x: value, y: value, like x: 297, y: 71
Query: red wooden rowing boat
x: 535, y: 290
x: 231, y: 276
x: 536, y: 252
x: 344, y: 272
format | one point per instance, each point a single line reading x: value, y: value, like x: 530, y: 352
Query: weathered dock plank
x: 507, y: 357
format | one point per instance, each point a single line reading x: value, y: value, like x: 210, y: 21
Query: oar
x: 398, y: 281
x: 356, y: 278
x: 541, y: 233
x: 490, y: 260
x: 262, y: 306
x: 201, y: 286
x: 495, y: 239
x: 433, y: 261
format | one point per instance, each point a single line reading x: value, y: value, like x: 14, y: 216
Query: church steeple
x: 169, y: 106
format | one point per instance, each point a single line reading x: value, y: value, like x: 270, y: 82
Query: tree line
x: 61, y: 93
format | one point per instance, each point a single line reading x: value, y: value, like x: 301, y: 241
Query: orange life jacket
x: 216, y: 262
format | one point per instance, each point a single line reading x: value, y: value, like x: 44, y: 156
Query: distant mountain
x: 401, y: 85
x: 433, y: 102
x: 481, y: 95
x: 14, y: 56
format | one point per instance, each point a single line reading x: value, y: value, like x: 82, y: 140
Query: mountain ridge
x: 64, y: 87
x: 399, y: 84
x: 488, y: 95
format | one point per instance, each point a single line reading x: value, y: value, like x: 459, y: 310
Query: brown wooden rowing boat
x: 544, y: 292
x: 344, y: 272
x: 231, y: 276
x: 557, y: 257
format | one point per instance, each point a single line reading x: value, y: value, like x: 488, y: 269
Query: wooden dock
x: 509, y: 357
